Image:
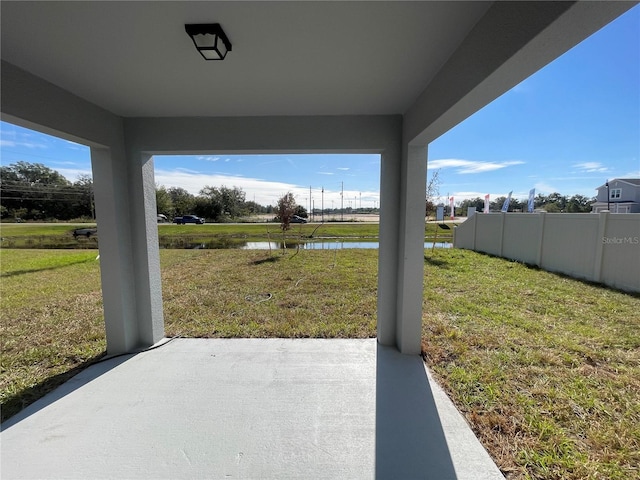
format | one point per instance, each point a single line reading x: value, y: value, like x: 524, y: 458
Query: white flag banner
x: 505, y: 205
x: 486, y: 203
x: 452, y: 208
x: 532, y: 194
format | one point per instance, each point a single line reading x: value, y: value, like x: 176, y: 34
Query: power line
x: 51, y: 192
x: 36, y: 198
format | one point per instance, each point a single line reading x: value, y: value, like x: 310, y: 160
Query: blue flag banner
x: 505, y: 205
x: 532, y: 194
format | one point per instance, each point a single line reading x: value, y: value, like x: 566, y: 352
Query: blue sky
x: 566, y: 129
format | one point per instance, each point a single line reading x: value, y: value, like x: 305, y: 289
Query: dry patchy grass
x: 545, y: 368
x: 221, y: 293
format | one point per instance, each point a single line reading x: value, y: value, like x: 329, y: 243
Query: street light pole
x: 608, y: 197
x: 342, y: 202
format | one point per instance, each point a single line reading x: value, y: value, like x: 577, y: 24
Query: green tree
x: 225, y: 203
x: 164, y: 203
x: 551, y: 207
x: 301, y: 211
x: 432, y: 193
x: 580, y: 204
x: 285, y: 209
x: 559, y: 200
x: 83, y: 205
x: 183, y: 202
x: 539, y: 200
x: 477, y: 202
x: 37, y: 191
x: 496, y: 204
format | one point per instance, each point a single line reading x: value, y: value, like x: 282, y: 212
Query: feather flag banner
x: 505, y: 205
x: 532, y: 194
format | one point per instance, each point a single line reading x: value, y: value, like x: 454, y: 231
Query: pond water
x: 67, y: 242
x: 311, y: 245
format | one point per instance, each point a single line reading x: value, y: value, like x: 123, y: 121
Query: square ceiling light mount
x: 210, y: 40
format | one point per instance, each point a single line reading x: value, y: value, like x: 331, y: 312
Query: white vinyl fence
x: 603, y: 247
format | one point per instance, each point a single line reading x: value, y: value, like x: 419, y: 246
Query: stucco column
x: 388, y: 252
x: 411, y: 249
x: 128, y: 250
x: 146, y: 259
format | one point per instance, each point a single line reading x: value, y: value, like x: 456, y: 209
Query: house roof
x: 630, y: 181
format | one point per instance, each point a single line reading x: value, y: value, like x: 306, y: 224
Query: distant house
x: 623, y: 193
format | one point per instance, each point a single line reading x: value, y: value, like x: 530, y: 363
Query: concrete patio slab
x: 248, y: 409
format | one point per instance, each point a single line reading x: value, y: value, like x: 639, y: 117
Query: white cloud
x: 72, y: 174
x: 591, y: 167
x: 325, y: 173
x: 470, y: 166
x: 545, y: 188
x: 344, y: 169
x: 208, y: 158
x: 187, y: 170
x: 12, y: 143
x: 264, y: 192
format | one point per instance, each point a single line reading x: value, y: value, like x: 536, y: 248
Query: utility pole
x: 342, y: 202
x: 322, y: 204
x: 310, y: 203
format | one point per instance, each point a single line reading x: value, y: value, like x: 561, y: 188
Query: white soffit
x: 288, y: 58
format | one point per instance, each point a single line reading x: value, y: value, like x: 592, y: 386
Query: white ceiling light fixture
x: 210, y: 40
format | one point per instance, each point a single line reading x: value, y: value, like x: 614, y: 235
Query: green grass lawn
x: 545, y: 368
x: 37, y: 235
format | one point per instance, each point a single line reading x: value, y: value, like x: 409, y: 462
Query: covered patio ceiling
x: 134, y: 59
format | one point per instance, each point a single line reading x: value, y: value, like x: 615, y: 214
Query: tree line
x: 552, y: 203
x: 32, y: 191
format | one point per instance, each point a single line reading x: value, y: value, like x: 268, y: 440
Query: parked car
x: 297, y: 219
x: 85, y: 232
x: 188, y: 219
x: 162, y: 218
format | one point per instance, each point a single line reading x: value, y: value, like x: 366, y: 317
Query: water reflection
x: 310, y: 245
x: 67, y: 242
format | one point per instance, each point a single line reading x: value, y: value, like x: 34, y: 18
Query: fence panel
x: 600, y: 247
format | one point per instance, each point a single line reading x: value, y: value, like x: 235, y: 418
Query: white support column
x: 411, y: 249
x: 146, y: 259
x: 129, y: 256
x: 116, y: 260
x: 388, y: 252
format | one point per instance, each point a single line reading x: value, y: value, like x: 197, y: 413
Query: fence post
x: 602, y: 231
x: 541, y: 221
x: 501, y: 233
x: 475, y: 230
